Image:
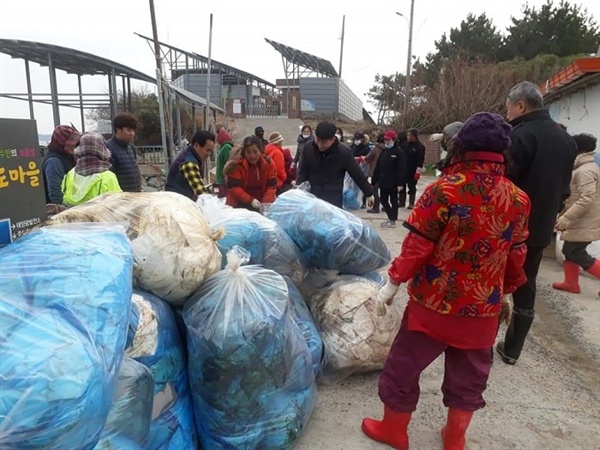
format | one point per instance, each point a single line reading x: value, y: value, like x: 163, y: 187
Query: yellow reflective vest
x: 78, y: 189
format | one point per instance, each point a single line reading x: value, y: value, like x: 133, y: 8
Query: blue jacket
x: 124, y: 165
x: 55, y: 167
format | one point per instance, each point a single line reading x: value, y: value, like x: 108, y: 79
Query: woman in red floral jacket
x: 464, y: 253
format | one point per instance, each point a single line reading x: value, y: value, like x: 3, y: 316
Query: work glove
x: 506, y: 311
x: 359, y: 159
x: 562, y: 223
x: 255, y: 204
x: 385, y: 297
x: 417, y: 176
x: 370, y: 201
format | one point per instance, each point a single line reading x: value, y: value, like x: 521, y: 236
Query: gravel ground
x: 549, y: 400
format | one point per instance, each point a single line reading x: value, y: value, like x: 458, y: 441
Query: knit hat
x: 64, y: 138
x: 275, y: 138
x: 93, y: 144
x: 223, y: 136
x: 485, y: 131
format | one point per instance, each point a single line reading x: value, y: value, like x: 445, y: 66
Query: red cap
x: 390, y: 135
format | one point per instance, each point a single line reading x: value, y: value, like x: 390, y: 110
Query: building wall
x: 349, y: 104
x: 579, y: 111
x: 329, y: 96
x: 196, y: 83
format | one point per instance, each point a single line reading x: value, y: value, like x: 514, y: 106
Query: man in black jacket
x: 325, y: 161
x: 123, y: 152
x: 543, y: 155
x: 415, y: 158
x: 390, y: 175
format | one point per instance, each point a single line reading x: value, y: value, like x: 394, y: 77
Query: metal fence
x: 262, y: 112
x: 151, y: 154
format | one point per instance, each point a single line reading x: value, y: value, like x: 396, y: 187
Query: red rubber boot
x: 571, y: 283
x: 594, y: 269
x: 392, y: 430
x: 453, y: 434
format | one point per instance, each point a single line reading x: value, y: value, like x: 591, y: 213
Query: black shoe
x: 516, y: 333
x: 373, y: 211
x: 410, y: 206
x: 506, y: 359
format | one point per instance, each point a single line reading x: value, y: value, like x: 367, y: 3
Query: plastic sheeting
x: 267, y: 243
x: 64, y: 305
x: 157, y: 345
x: 329, y: 237
x: 352, y: 195
x: 304, y: 320
x: 131, y: 410
x: 250, y: 368
x: 356, y: 339
x: 173, y: 246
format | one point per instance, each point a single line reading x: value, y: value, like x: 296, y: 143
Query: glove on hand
x: 370, y: 201
x: 417, y: 176
x: 562, y: 223
x: 507, y: 309
x: 255, y: 204
x: 385, y: 297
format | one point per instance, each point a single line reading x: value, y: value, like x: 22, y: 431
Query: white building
x: 573, y: 96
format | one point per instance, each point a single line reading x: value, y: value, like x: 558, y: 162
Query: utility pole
x: 207, y: 115
x: 408, y: 63
x: 342, y: 45
x: 163, y: 110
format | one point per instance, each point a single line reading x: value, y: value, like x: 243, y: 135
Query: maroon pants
x: 465, y: 372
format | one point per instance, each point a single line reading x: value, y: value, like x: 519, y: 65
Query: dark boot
x: 510, y: 348
x: 453, y: 434
x: 402, y: 199
x: 392, y: 430
x: 411, y: 201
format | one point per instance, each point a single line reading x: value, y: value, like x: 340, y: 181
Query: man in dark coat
x: 543, y: 155
x: 325, y: 161
x: 415, y: 158
x: 390, y: 175
x: 123, y: 152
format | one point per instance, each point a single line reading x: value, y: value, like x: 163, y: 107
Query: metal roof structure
x: 182, y: 61
x: 194, y: 99
x: 294, y: 60
x: 73, y: 62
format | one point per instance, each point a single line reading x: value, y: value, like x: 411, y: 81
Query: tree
x: 561, y: 30
x: 387, y: 95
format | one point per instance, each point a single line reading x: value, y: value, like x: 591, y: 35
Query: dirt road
x: 549, y: 401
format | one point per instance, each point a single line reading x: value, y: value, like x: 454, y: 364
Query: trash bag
x: 131, y: 410
x: 304, y: 320
x: 352, y: 195
x: 329, y: 237
x: 267, y: 243
x: 64, y: 303
x: 356, y: 339
x: 173, y: 247
x: 250, y: 368
x: 320, y: 278
x: 158, y: 346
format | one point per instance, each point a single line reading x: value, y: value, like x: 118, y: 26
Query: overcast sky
x: 375, y: 40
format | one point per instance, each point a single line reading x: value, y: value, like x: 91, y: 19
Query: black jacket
x: 361, y: 150
x: 542, y: 162
x: 390, y: 171
x: 415, y: 156
x: 124, y: 165
x: 326, y: 170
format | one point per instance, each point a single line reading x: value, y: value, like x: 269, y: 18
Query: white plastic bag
x: 356, y: 339
x: 173, y: 247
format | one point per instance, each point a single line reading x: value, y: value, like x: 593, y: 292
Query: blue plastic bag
x: 329, y: 237
x: 130, y: 413
x: 304, y: 320
x: 250, y: 368
x: 65, y: 296
x: 268, y: 244
x: 156, y: 343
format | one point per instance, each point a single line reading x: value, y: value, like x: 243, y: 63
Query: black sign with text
x: 22, y: 197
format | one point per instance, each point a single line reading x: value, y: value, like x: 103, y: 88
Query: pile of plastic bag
x: 356, y: 339
x: 329, y: 237
x: 128, y: 422
x: 250, y: 369
x: 352, y: 195
x: 64, y: 307
x: 156, y: 343
x: 267, y: 243
x: 174, y: 249
x: 320, y: 278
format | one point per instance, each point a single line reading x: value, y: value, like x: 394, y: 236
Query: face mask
x: 357, y: 142
x: 338, y: 136
x: 306, y: 136
x: 389, y: 145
